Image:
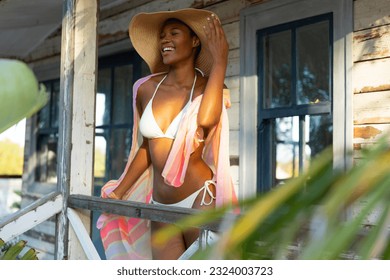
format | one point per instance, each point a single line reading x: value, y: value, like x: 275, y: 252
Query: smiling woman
x: 180, y: 112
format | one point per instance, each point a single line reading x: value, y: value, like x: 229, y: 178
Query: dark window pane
x: 313, y: 67
x: 103, y: 97
x: 277, y: 69
x: 119, y: 148
x: 44, y: 113
x: 320, y: 133
x: 55, y: 104
x: 47, y: 158
x: 123, y: 97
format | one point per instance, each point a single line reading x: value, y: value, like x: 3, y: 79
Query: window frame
x: 275, y: 13
x: 265, y: 165
x: 113, y: 62
x: 40, y: 170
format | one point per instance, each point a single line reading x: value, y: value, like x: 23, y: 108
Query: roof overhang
x: 25, y: 24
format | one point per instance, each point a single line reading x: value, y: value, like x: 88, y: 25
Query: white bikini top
x: 148, y: 125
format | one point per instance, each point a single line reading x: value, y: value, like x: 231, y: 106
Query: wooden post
x: 65, y: 125
x: 78, y: 125
x: 83, y: 115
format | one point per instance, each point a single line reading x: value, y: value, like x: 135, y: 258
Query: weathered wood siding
x: 371, y: 74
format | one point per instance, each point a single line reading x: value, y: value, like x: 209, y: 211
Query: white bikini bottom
x: 188, y: 202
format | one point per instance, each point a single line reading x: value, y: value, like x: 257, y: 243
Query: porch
x: 71, y: 205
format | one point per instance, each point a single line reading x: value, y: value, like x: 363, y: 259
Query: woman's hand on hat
x: 216, y: 40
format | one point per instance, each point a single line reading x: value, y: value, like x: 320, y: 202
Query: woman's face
x: 177, y: 43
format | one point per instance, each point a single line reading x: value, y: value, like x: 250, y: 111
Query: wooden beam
x: 165, y: 214
x: 83, y: 111
x: 82, y: 235
x: 65, y: 124
x: 30, y: 216
x: 77, y: 118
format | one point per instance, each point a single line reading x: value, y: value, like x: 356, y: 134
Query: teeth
x: 167, y: 49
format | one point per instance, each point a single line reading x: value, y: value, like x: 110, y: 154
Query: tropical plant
x: 322, y: 214
x: 13, y: 251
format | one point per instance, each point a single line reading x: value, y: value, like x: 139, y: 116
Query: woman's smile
x: 167, y: 50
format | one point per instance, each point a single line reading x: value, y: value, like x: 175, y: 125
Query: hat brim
x: 144, y: 32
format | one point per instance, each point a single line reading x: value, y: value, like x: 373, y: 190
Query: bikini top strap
x: 162, y: 80
x: 193, y: 87
x: 158, y: 85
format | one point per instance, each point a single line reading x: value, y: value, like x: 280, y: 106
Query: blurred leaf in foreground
x: 19, y: 93
x: 322, y: 214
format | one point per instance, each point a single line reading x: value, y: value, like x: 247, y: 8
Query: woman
x: 180, y: 113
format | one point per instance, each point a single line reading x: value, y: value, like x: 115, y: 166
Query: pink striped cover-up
x: 129, y: 238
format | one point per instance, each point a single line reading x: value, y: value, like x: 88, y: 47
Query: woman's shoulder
x: 146, y: 83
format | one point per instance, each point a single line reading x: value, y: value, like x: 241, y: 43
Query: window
x: 114, y: 119
x: 114, y: 114
x: 47, y: 136
x: 295, y: 88
x: 295, y: 97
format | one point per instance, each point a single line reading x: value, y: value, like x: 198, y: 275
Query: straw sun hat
x: 144, y: 31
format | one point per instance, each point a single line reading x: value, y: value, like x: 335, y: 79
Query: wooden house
x: 303, y: 75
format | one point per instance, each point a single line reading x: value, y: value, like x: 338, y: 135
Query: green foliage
x: 321, y: 214
x: 19, y: 92
x: 17, y: 204
x: 11, y: 158
x: 14, y: 251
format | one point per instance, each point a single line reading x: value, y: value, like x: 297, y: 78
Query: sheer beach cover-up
x: 129, y: 238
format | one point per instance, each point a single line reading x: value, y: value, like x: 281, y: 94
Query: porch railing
x: 51, y: 204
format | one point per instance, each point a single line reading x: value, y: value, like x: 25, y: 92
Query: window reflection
x: 313, y: 63
x: 100, y: 157
x: 103, y: 97
x: 315, y: 133
x: 277, y: 69
x: 123, y: 97
x: 100, y: 108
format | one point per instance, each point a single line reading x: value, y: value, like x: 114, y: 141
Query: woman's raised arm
x: 212, y: 101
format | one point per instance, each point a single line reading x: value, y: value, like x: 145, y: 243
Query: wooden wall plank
x: 372, y: 108
x: 233, y: 84
x: 372, y: 75
x: 115, y: 28
x: 232, y: 31
x: 371, y: 43
x: 366, y: 136
x: 233, y: 114
x: 228, y: 11
x: 234, y: 142
x: 369, y: 134
x: 233, y: 68
x: 371, y: 13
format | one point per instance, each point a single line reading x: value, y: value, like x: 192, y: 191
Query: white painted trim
x: 82, y: 235
x: 34, y: 216
x: 277, y: 12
